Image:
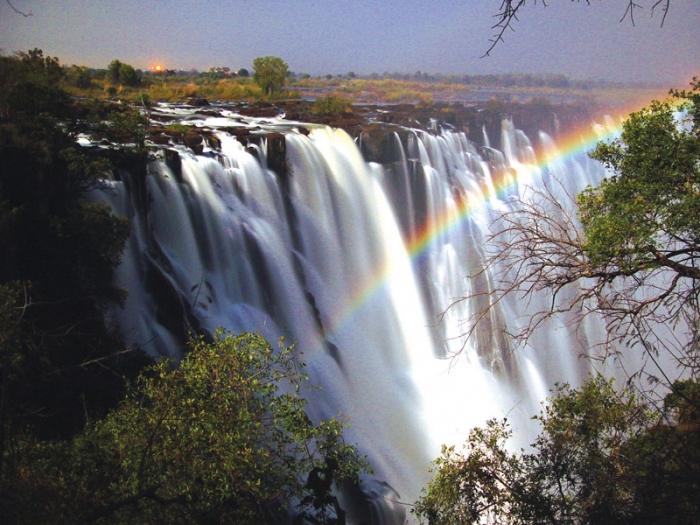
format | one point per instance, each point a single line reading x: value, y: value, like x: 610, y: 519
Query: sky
x: 328, y: 36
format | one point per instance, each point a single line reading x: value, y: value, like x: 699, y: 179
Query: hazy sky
x: 328, y: 36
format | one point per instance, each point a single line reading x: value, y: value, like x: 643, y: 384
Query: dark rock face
x: 197, y: 101
x: 194, y: 141
x: 277, y: 154
x: 174, y: 162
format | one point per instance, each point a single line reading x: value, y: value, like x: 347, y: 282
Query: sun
x: 158, y: 68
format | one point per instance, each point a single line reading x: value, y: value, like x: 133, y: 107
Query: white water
x: 228, y: 246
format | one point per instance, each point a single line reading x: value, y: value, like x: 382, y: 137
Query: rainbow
x: 576, y: 142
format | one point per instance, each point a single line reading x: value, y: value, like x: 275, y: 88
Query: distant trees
x: 125, y: 74
x: 113, y: 70
x: 270, y: 73
x: 80, y: 76
x: 602, y: 458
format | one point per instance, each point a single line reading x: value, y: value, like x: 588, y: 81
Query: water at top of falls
x: 323, y: 257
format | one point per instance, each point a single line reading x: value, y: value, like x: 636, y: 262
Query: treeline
x: 508, y: 80
x: 81, y: 76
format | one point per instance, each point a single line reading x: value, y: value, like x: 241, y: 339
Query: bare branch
x: 17, y: 10
x: 665, y: 6
x: 539, y: 249
x: 507, y: 15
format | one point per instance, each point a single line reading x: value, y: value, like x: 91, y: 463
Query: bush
x: 222, y: 438
x: 332, y: 105
x: 602, y: 457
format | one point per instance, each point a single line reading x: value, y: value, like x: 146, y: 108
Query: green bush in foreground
x: 602, y: 457
x: 222, y: 438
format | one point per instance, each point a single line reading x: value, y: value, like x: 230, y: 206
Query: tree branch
x: 17, y: 10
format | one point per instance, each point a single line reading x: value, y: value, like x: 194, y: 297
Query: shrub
x: 332, y: 105
x: 222, y: 438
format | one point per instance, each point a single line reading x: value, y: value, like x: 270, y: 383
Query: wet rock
x: 173, y: 161
x: 213, y: 141
x: 277, y: 154
x: 193, y: 140
x: 160, y: 138
x: 197, y: 101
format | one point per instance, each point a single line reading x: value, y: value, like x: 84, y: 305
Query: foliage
x: 129, y: 76
x: 127, y: 126
x: 80, y: 77
x: 602, y: 458
x: 222, y: 438
x: 121, y: 73
x: 113, y: 71
x: 270, y: 73
x: 29, y: 86
x: 332, y: 105
x: 647, y: 214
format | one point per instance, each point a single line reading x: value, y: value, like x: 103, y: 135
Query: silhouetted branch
x: 507, y: 15
x: 17, y: 10
x: 539, y: 252
x: 666, y: 4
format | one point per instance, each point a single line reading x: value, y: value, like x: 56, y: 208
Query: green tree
x: 270, y: 73
x: 602, y: 457
x: 114, y: 71
x: 80, y: 77
x: 120, y: 73
x: 129, y: 76
x: 221, y: 438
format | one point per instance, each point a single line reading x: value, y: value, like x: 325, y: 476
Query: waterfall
x: 322, y: 256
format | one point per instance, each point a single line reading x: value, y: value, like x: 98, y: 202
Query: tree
x: 221, y: 438
x: 121, y: 73
x: 114, y: 71
x: 632, y: 252
x: 243, y: 73
x: 602, y: 457
x: 80, y: 77
x: 129, y: 76
x: 270, y: 73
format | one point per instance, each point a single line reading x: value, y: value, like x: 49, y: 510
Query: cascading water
x: 324, y: 256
